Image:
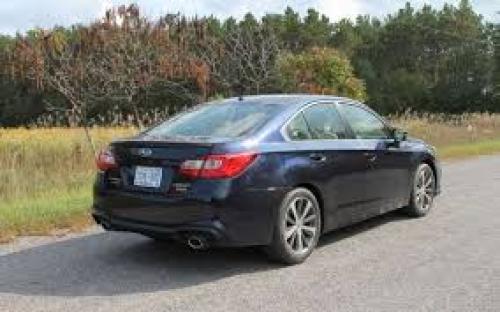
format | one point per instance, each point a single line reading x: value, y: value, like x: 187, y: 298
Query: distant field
x: 46, y: 174
x: 461, y: 136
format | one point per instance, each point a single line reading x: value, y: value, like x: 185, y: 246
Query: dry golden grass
x: 39, y: 160
x: 442, y: 130
x: 46, y: 174
x: 455, y: 136
x: 45, y: 178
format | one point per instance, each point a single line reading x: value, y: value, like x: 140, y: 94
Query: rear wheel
x: 423, y: 191
x: 297, y: 227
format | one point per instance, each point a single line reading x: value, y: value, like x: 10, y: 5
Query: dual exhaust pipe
x: 194, y: 241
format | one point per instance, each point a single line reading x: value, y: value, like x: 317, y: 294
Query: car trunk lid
x: 152, y: 166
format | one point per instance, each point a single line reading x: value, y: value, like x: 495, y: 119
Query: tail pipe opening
x: 198, y: 242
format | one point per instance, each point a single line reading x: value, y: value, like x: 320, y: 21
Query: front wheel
x: 423, y: 191
x: 297, y: 227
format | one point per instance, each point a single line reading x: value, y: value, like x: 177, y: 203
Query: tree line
x: 127, y: 67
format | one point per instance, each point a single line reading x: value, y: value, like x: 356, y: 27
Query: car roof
x: 283, y: 99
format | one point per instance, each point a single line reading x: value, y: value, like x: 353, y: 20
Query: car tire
x: 297, y: 227
x: 422, y: 192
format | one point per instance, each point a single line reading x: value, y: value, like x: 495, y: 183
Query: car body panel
x: 241, y: 211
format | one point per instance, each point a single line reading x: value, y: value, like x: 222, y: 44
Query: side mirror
x: 398, y: 136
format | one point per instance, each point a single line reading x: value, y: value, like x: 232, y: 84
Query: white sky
x: 20, y: 15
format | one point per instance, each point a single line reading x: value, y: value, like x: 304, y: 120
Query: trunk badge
x: 144, y: 152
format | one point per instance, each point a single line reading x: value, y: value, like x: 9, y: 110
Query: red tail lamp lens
x: 106, y: 160
x: 217, y: 166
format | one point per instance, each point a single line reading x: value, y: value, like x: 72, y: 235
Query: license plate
x: 148, y: 176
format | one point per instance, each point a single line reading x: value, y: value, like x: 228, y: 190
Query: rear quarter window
x: 297, y: 129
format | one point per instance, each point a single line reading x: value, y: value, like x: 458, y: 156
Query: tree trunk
x: 78, y: 110
x: 89, y: 138
x: 137, y: 117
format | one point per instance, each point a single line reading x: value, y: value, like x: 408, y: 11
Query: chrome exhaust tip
x: 197, y: 242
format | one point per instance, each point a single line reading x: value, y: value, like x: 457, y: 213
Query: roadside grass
x: 45, y: 178
x: 470, y: 149
x: 45, y: 214
x: 443, y: 130
x: 46, y: 173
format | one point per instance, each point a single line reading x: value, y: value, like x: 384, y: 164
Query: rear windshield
x: 225, y: 120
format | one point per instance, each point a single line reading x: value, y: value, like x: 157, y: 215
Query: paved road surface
x: 449, y: 261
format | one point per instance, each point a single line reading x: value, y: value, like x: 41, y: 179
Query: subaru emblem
x: 144, y: 152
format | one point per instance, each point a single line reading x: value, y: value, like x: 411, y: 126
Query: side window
x: 324, y: 122
x: 297, y: 129
x: 364, y: 124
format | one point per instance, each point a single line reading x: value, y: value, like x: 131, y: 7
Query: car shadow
x: 106, y: 264
x: 349, y: 231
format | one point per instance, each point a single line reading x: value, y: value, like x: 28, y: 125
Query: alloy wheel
x: 301, y: 225
x: 424, y: 188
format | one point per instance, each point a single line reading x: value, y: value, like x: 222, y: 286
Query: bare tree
x: 70, y: 69
x: 115, y: 59
x: 138, y: 53
x: 244, y: 59
x: 75, y: 79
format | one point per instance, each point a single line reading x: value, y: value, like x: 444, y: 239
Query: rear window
x: 225, y: 120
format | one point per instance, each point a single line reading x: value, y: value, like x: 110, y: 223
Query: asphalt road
x: 448, y: 261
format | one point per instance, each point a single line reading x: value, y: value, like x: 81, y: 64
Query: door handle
x: 371, y: 157
x: 317, y: 157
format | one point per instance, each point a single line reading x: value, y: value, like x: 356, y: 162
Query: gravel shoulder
x: 448, y: 261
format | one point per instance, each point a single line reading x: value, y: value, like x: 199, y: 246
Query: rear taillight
x: 105, y: 160
x: 217, y: 166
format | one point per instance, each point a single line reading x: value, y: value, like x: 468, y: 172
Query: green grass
x: 44, y: 213
x: 463, y: 150
x: 46, y: 177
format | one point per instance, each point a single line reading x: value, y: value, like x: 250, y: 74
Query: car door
x: 387, y: 176
x: 333, y: 165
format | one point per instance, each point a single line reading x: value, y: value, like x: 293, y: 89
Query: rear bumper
x: 212, y: 230
x: 243, y: 219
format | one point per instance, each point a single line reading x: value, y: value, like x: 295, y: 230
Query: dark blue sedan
x: 275, y: 171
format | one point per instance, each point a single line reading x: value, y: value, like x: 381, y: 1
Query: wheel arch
x: 429, y: 161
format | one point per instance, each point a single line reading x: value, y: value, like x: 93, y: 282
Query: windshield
x: 226, y: 120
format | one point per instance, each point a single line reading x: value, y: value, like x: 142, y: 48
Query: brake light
x: 105, y: 160
x: 217, y: 166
